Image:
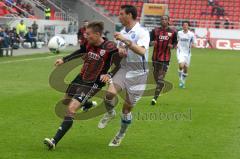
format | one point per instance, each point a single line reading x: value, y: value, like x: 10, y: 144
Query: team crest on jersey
x: 133, y: 36
x: 169, y: 34
x: 102, y: 52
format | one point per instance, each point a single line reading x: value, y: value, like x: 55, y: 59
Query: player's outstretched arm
x: 134, y: 47
x: 76, y: 54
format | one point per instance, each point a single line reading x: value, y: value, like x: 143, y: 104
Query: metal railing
x: 63, y: 16
x: 63, y: 11
x: 39, y: 4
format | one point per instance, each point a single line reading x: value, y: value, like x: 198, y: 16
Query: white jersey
x: 132, y: 75
x: 185, y: 41
x: 134, y: 62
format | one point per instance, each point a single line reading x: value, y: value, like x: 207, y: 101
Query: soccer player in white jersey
x: 186, y: 40
x: 133, y: 43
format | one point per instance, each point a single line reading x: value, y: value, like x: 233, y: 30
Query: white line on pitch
x: 29, y: 59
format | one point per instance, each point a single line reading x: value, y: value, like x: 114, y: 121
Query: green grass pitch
x: 208, y: 126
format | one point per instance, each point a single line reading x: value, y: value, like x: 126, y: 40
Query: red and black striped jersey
x: 82, y: 35
x: 97, y: 60
x: 162, y: 37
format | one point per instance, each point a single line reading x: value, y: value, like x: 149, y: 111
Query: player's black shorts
x: 81, y: 90
x: 160, y: 66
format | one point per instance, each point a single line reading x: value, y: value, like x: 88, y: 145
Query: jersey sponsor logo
x: 93, y: 55
x: 184, y: 40
x: 102, y: 52
x: 163, y: 37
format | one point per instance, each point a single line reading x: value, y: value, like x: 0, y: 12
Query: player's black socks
x: 160, y: 85
x: 65, y: 126
x: 87, y: 105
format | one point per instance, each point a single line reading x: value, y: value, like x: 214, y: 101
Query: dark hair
x: 186, y: 22
x: 96, y: 27
x: 129, y: 9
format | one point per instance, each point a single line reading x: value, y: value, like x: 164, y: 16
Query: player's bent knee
x: 127, y: 108
x: 110, y: 95
x: 66, y: 101
x: 110, y: 103
x: 73, y: 107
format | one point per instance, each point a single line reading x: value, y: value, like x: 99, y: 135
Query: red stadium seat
x: 118, y: 3
x: 101, y: 2
x: 181, y: 9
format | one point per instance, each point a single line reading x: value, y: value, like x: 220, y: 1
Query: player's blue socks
x: 126, y: 120
x: 65, y: 126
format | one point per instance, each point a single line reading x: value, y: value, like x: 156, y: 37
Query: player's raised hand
x: 119, y: 36
x: 58, y: 62
x: 106, y: 78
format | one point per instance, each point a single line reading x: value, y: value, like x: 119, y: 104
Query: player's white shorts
x: 184, y: 58
x: 134, y: 84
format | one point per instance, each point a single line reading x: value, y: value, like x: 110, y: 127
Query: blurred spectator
x: 21, y: 29
x: 28, y: 7
x: 75, y: 26
x: 226, y: 23
x: 64, y: 31
x: 1, y: 41
x: 211, y: 2
x: 218, y: 22
x: 14, y: 39
x: 31, y: 38
x: 6, y: 39
x: 218, y: 10
x: 70, y: 28
x: 35, y: 28
x: 82, y: 33
x: 47, y: 13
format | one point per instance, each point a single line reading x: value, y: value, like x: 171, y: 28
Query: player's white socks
x: 184, y: 76
x: 180, y: 74
x: 126, y: 121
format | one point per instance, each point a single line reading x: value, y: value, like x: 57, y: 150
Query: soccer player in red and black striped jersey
x: 164, y: 39
x: 82, y: 33
x: 98, y: 56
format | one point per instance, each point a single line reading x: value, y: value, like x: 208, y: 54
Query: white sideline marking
x: 29, y: 59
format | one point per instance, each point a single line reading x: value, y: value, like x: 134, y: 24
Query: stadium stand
x: 16, y: 9
x: 200, y: 12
